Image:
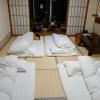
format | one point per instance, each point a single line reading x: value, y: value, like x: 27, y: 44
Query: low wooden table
x: 93, y: 45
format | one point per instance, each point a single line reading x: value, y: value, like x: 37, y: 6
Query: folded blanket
x: 73, y: 68
x: 62, y: 41
x: 57, y: 50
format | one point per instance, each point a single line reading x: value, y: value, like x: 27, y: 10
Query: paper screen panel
x: 76, y: 16
x: 19, y: 10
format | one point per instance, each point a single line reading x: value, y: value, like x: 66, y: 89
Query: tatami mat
x: 61, y: 59
x: 51, y: 98
x: 4, y: 50
x: 48, y: 84
x: 44, y: 62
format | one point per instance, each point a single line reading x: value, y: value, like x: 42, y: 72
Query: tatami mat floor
x: 44, y: 63
x: 48, y: 82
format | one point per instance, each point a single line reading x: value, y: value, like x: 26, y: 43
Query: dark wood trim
x: 67, y: 15
x: 97, y: 20
x: 98, y: 6
x: 29, y: 14
x: 96, y: 12
x: 87, y: 8
x: 9, y: 17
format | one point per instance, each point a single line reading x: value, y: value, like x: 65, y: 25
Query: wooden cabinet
x: 78, y: 38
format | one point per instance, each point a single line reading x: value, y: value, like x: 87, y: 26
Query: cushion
x: 73, y: 68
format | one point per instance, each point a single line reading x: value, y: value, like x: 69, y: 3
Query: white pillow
x: 73, y: 68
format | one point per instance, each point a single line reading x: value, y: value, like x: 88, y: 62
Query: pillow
x: 73, y: 68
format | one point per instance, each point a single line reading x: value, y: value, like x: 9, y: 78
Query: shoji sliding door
x: 19, y: 12
x: 76, y: 16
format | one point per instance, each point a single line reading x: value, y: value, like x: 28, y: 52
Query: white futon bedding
x: 74, y: 86
x: 25, y: 46
x: 16, y: 79
x: 81, y: 79
x: 51, y: 48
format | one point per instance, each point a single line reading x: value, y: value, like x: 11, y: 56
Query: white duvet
x: 25, y: 46
x: 9, y: 67
x: 91, y: 73
x: 53, y: 50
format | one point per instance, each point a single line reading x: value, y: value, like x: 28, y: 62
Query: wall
x: 4, y: 21
x: 90, y: 19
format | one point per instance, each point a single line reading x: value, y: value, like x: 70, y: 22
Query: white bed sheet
x: 49, y: 43
x: 74, y: 87
x: 38, y: 49
x: 25, y: 84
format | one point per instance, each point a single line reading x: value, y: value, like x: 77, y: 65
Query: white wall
x: 90, y: 19
x: 4, y: 20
